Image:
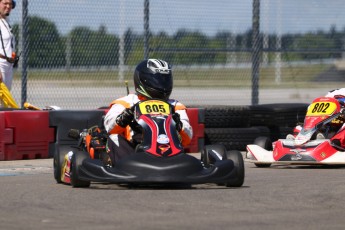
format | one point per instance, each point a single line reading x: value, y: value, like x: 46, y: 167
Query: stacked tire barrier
x: 237, y: 126
x: 26, y: 134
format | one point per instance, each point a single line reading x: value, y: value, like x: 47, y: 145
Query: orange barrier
x: 25, y: 134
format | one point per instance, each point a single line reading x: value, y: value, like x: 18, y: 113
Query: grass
x: 297, y: 77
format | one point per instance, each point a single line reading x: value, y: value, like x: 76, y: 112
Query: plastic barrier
x: 64, y: 120
x: 24, y: 134
x: 197, y: 121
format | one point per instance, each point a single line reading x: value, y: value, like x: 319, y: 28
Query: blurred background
x: 79, y: 54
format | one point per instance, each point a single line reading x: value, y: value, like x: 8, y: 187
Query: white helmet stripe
x: 158, y: 66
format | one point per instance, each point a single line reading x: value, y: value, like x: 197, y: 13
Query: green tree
x: 93, y: 47
x: 46, y: 48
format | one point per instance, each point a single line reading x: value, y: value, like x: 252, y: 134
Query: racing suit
x: 122, y: 141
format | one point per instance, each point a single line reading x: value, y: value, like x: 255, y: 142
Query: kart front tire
x: 58, y: 161
x: 76, y: 161
x: 237, y: 158
x: 207, y: 159
x: 265, y: 143
x: 261, y: 165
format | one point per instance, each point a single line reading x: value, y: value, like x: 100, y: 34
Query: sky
x: 210, y: 17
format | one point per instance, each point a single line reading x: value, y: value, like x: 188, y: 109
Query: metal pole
x: 25, y: 50
x: 146, y: 28
x: 278, y: 58
x: 122, y: 41
x: 256, y: 50
x: 68, y: 52
x: 265, y: 31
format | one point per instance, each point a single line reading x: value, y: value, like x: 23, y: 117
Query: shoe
x: 320, y: 136
x: 290, y: 137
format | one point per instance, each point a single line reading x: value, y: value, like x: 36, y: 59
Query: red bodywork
x: 323, y: 116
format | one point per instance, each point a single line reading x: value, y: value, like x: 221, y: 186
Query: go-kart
x: 317, y: 142
x: 158, y: 160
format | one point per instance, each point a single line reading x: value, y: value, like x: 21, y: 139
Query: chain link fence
x: 79, y: 54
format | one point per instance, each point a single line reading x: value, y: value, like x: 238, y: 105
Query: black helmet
x: 153, y: 79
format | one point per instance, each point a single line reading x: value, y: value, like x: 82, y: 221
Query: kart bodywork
x: 324, y: 116
x: 159, y: 159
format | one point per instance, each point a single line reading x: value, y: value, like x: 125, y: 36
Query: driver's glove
x: 178, y: 122
x: 125, y: 118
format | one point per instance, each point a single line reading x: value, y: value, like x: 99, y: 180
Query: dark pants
x: 123, y: 149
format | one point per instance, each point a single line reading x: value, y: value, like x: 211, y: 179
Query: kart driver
x: 152, y: 79
x: 337, y: 127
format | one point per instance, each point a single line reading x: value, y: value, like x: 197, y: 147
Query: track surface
x: 280, y: 197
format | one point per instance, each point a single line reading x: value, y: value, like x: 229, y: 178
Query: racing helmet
x: 340, y: 99
x: 153, y: 79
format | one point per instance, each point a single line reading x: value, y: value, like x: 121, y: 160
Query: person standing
x: 7, y: 44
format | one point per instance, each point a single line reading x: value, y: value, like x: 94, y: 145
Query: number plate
x: 154, y: 107
x: 321, y: 108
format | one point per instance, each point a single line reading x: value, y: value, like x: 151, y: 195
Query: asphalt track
x: 280, y: 197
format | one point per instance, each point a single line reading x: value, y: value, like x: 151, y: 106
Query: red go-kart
x: 317, y: 143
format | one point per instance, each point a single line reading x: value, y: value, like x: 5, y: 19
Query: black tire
x: 266, y: 143
x: 208, y: 160
x: 278, y: 114
x: 76, y: 161
x: 237, y: 158
x: 234, y: 138
x: 59, y: 156
x: 226, y: 116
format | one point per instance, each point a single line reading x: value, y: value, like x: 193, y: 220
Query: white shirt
x: 7, y: 38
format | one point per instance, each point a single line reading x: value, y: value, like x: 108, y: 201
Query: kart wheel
x: 58, y: 162
x: 76, y: 161
x: 237, y: 158
x: 265, y: 143
x: 211, y: 153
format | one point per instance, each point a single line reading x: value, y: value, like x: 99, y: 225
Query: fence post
x: 256, y: 50
x: 25, y: 50
x: 146, y: 28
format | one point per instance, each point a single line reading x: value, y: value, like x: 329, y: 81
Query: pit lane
x: 279, y: 197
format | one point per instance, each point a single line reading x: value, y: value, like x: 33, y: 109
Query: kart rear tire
x: 237, y: 158
x: 265, y: 143
x: 208, y: 160
x: 76, y: 161
x: 58, y: 161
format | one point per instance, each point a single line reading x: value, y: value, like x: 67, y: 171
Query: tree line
x: 86, y: 47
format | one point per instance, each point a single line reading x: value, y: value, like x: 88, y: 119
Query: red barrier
x: 4, y: 136
x: 196, y: 119
x: 25, y: 134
